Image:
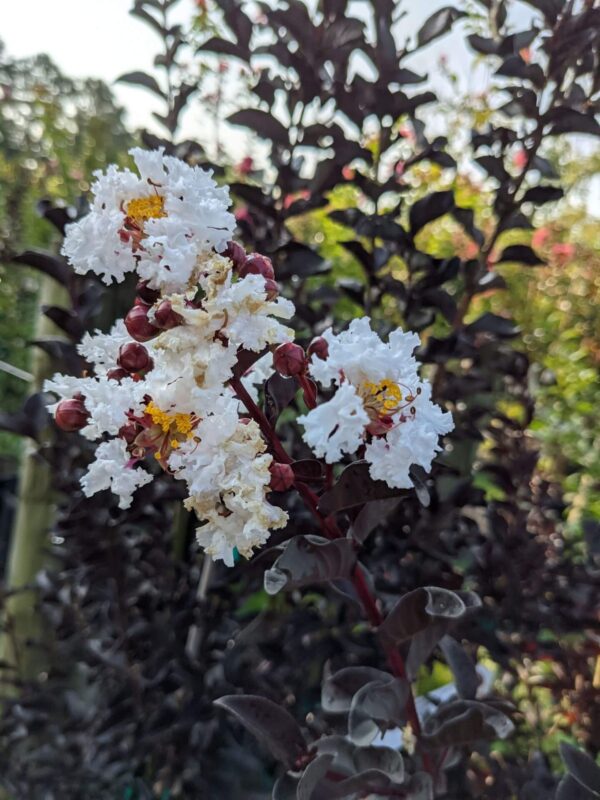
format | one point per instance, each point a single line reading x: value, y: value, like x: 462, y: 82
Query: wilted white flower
x: 158, y: 224
x: 380, y: 402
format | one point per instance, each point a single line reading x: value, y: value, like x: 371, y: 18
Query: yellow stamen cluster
x: 141, y: 209
x: 383, y: 397
x: 177, y: 423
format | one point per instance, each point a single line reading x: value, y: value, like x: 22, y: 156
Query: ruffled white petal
x: 337, y: 426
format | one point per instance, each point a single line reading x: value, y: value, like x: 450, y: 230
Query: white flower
x: 416, y: 441
x: 358, y: 354
x: 227, y: 473
x: 111, y: 470
x: 337, y: 426
x: 159, y: 223
x: 258, y: 374
x: 93, y: 245
x: 106, y: 401
x: 249, y: 316
x: 102, y: 349
x: 379, y: 395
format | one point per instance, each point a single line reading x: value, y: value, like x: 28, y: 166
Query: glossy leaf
x: 310, y: 559
x: 438, y: 24
x: 268, y: 721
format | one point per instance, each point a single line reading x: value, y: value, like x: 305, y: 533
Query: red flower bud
x: 145, y: 293
x: 272, y: 289
x: 139, y: 326
x: 235, y: 253
x: 71, y: 415
x: 165, y: 317
x: 134, y: 357
x: 282, y: 477
x: 318, y: 348
x: 129, y: 431
x: 255, y: 264
x: 289, y: 360
x: 117, y: 374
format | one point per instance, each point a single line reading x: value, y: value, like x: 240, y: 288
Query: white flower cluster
x: 379, y: 404
x: 172, y: 404
x: 157, y: 224
x: 160, y: 395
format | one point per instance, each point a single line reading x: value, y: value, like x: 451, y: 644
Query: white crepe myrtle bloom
x: 112, y: 469
x: 226, y: 468
x: 102, y: 349
x: 106, y: 401
x: 337, y: 426
x: 251, y: 315
x: 379, y: 402
x: 158, y: 224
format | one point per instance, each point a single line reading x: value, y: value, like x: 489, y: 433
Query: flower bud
x: 139, y: 326
x: 71, y: 415
x: 235, y: 253
x: 129, y: 431
x: 117, y: 374
x: 134, y: 357
x: 165, y: 317
x: 255, y: 264
x: 272, y: 289
x: 146, y: 294
x: 318, y: 348
x: 289, y: 360
x: 282, y: 476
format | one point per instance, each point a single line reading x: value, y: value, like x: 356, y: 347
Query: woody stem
x: 332, y: 531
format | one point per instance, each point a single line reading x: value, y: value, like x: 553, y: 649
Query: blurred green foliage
x: 54, y: 132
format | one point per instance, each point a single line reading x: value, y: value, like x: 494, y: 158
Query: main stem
x: 332, y: 531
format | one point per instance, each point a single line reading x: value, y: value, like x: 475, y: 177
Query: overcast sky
x: 99, y: 38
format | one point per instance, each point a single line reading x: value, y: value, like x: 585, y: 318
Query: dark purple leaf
x: 415, y: 611
x: 438, y: 24
x: 430, y: 207
x: 310, y: 559
x: 308, y: 470
x: 462, y: 666
x: 463, y: 721
x: 568, y: 120
x: 543, y: 194
x: 313, y: 775
x: 47, y: 263
x: 522, y: 254
x: 337, y: 690
x: 570, y: 789
x: 494, y: 324
x: 279, y: 393
x: 262, y: 123
x: 355, y: 487
x: 373, y: 514
x: 581, y: 767
x: 139, y: 78
x: 269, y: 722
x: 376, y: 707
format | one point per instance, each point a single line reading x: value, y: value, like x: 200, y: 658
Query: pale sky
x: 99, y: 38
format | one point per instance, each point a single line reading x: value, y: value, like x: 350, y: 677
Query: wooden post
x: 32, y: 522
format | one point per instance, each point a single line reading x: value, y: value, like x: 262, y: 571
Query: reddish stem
x: 332, y: 531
